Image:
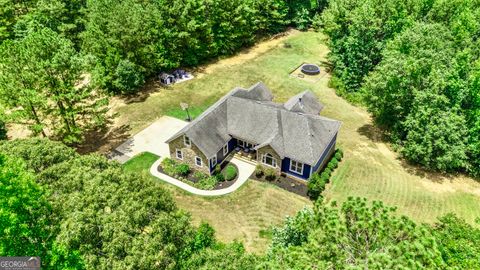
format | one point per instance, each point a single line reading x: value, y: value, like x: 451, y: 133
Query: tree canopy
x: 41, y: 84
x: 415, y: 66
x: 87, y: 212
x: 356, y: 235
x: 27, y: 221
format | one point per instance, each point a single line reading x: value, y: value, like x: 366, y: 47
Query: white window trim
x: 241, y: 143
x: 201, y: 161
x: 185, y: 138
x: 274, y: 160
x: 225, y: 149
x: 297, y: 163
x: 214, y: 163
x: 181, y: 153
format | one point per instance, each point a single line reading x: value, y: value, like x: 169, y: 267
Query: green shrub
x: 217, y: 169
x: 230, y: 172
x: 330, y: 166
x: 316, y: 185
x: 200, y: 175
x: 339, y: 154
x: 334, y: 163
x: 328, y: 171
x: 207, y: 183
x: 325, y: 177
x: 270, y: 174
x: 220, y: 177
x: 168, y: 165
x: 259, y: 171
x: 182, y: 169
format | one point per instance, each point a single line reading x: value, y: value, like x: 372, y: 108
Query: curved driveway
x: 244, y: 171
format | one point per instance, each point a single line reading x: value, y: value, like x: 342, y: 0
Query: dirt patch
x: 17, y: 131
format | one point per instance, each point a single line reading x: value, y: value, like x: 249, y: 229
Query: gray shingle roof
x: 252, y: 116
x: 305, y: 102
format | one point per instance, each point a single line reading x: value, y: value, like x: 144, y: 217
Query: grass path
x: 370, y: 168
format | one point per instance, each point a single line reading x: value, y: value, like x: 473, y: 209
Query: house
x: 291, y: 138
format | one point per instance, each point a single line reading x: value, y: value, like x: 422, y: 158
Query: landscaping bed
x: 224, y: 176
x: 298, y: 187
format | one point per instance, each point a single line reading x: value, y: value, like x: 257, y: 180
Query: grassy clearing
x: 369, y: 169
x: 246, y: 215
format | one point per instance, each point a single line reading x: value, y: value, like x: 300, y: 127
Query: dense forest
x: 59, y: 60
x: 415, y: 65
x: 84, y: 212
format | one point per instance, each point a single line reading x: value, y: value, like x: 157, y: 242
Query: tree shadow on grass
x: 377, y: 135
x: 422, y: 172
x: 151, y: 86
x: 327, y: 66
x: 104, y: 140
x: 373, y: 133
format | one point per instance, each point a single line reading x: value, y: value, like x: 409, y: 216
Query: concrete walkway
x: 244, y: 171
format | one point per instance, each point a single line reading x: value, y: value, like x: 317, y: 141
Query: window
x: 269, y: 160
x: 179, y: 154
x: 296, y: 166
x: 241, y: 143
x: 198, y: 161
x: 186, y: 140
x: 225, y: 149
x: 214, y: 161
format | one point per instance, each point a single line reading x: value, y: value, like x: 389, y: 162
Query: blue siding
x: 325, y: 153
x: 220, y: 157
x: 286, y: 169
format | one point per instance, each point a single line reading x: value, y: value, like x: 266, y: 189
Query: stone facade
x: 189, y: 154
x: 268, y: 149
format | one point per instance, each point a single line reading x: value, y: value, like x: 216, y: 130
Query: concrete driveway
x: 151, y: 139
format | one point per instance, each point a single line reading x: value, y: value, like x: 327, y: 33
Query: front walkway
x: 244, y: 171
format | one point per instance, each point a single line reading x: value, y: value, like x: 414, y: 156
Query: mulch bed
x: 296, y: 186
x: 191, y: 178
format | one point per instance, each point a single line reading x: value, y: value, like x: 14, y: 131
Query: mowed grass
x: 369, y: 169
x: 246, y: 215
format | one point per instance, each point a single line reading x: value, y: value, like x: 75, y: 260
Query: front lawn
x: 244, y: 215
x: 141, y: 162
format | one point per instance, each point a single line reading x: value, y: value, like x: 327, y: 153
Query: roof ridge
x: 204, y: 114
x: 309, y: 129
